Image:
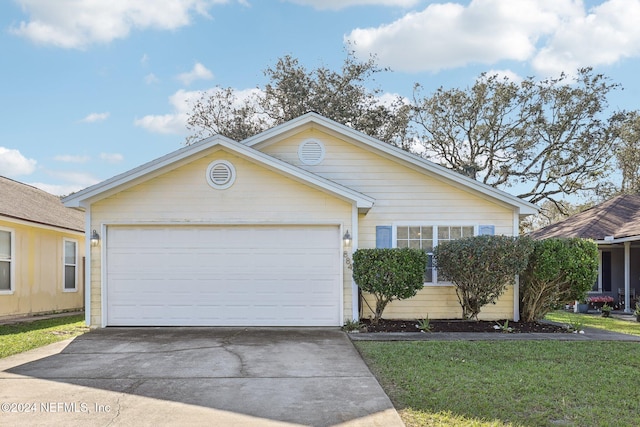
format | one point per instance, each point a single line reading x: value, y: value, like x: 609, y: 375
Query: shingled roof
x: 618, y: 217
x: 27, y: 203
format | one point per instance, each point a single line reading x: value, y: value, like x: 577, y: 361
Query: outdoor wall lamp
x: 347, y: 239
x: 95, y: 238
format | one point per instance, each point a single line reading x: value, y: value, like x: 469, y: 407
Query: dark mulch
x: 461, y: 326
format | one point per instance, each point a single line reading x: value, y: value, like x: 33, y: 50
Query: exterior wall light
x: 95, y: 238
x: 347, y: 239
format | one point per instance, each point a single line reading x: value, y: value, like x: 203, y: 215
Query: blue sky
x: 92, y: 88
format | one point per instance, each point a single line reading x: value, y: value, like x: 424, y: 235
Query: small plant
x: 504, y: 327
x: 352, y: 326
x: 424, y: 325
x: 637, y: 312
x: 606, y: 310
x: 576, y: 325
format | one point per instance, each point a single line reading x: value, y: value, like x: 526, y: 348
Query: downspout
x: 87, y: 266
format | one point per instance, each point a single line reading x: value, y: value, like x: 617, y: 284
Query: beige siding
x: 38, y: 286
x: 258, y: 196
x: 403, y: 195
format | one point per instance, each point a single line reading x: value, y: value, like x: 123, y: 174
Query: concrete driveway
x: 194, y: 376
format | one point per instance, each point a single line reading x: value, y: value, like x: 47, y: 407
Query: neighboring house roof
x: 26, y: 203
x: 618, y: 217
x: 246, y: 149
x: 200, y: 149
x: 426, y: 166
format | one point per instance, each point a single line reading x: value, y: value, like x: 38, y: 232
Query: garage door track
x: 194, y: 376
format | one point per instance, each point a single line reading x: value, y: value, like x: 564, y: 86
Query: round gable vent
x: 221, y: 174
x: 311, y: 152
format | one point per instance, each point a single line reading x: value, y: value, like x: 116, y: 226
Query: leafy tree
x: 389, y: 274
x: 481, y: 268
x: 628, y: 153
x: 559, y: 271
x: 292, y: 91
x: 549, y: 137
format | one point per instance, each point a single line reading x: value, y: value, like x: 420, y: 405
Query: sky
x: 90, y: 88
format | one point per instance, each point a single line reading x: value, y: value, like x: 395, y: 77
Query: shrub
x: 559, y: 271
x: 389, y: 274
x: 481, y: 267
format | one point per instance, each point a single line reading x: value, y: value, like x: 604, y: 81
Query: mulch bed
x: 461, y: 326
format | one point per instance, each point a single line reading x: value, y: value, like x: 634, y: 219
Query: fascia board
x: 438, y: 171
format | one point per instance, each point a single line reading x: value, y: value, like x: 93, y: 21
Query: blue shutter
x: 486, y: 230
x: 383, y: 237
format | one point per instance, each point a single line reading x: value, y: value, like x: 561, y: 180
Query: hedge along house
x: 615, y: 226
x: 252, y: 233
x: 41, y: 252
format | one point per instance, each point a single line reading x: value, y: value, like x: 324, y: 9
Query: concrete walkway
x: 194, y: 376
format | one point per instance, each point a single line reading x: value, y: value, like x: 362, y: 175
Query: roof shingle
x: 27, y: 203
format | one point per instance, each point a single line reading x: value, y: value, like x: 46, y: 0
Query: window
x: 70, y: 275
x: 6, y: 261
x: 426, y: 237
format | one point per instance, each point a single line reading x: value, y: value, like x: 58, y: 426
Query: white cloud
x: 182, y: 103
x: 13, y: 163
x: 508, y: 74
x: 67, y: 158
x: 151, y: 79
x: 111, y: 157
x: 552, y: 35
x: 95, y: 117
x: 343, y: 4
x: 75, y: 181
x: 79, y: 23
x: 144, y: 59
x: 199, y: 72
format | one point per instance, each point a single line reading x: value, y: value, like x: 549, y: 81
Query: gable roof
x: 618, y: 217
x: 200, y: 149
x: 390, y: 151
x: 26, y: 203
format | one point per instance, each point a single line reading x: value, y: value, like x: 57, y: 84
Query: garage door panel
x: 236, y: 276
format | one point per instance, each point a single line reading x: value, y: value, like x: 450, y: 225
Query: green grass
x: 510, y: 383
x: 18, y: 337
x: 596, y: 321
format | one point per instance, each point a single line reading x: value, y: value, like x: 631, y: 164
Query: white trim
x: 627, y: 276
x: 42, y: 226
x: 64, y: 265
x: 396, y: 153
x: 516, y: 283
x: 355, y: 301
x: 12, y: 261
x: 87, y: 268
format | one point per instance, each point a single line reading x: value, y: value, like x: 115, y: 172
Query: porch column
x: 627, y: 277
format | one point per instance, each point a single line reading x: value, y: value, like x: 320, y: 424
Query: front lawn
x: 517, y: 383
x: 18, y: 337
x: 596, y: 321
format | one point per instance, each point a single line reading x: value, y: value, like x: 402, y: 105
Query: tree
x: 481, y: 268
x: 548, y: 138
x: 628, y: 153
x: 389, y: 274
x: 292, y: 91
x: 559, y: 271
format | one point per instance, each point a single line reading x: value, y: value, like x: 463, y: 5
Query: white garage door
x: 223, y: 276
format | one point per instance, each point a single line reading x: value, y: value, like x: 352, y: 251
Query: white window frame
x: 65, y: 265
x: 435, y: 225
x: 11, y: 260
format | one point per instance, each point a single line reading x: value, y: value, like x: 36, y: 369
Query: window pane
x: 427, y: 232
x: 443, y: 233
x: 428, y: 274
x: 456, y: 233
x: 5, y: 276
x: 403, y: 232
x: 414, y: 232
x: 69, y: 252
x: 427, y: 245
x: 69, y: 277
x: 467, y: 231
x: 403, y: 243
x: 5, y: 244
x: 414, y: 244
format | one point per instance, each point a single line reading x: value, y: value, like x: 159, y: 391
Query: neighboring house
x: 41, y: 252
x: 253, y: 232
x: 615, y: 227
